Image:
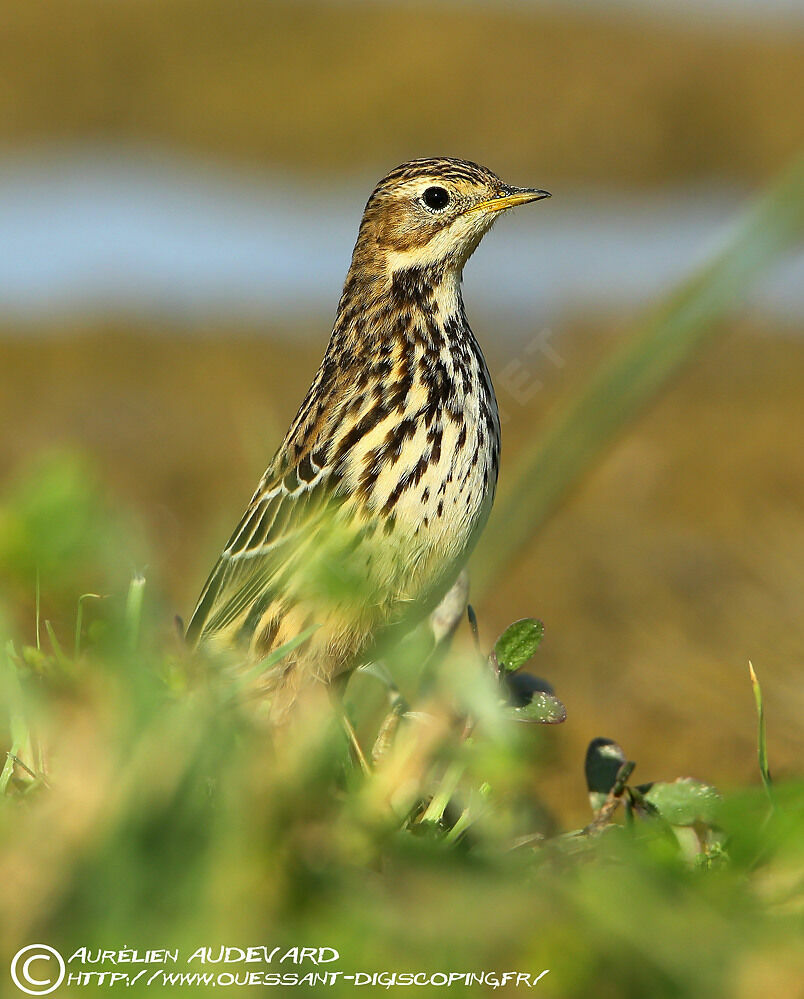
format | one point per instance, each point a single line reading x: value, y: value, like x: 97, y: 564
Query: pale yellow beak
x: 515, y: 196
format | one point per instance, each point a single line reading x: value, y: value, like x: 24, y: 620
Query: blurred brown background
x: 680, y: 556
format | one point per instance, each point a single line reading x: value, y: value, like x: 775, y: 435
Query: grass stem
x: 762, y: 748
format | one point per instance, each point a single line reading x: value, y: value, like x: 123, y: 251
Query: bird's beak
x: 512, y: 197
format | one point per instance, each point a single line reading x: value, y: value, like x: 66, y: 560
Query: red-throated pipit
x: 386, y: 476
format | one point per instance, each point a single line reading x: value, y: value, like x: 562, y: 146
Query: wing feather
x: 281, y: 519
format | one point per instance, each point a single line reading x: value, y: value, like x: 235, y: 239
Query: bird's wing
x: 284, y: 514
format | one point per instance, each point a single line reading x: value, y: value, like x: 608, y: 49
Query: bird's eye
x: 436, y: 198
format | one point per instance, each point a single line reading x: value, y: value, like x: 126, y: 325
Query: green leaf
x: 518, y: 643
x: 544, y: 709
x: 684, y: 801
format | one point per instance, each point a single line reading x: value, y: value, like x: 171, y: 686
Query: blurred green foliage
x: 166, y: 816
x: 58, y: 525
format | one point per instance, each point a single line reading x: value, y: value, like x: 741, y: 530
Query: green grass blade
x: 636, y: 373
x: 17, y: 724
x: 762, y: 748
x: 133, y: 615
x: 58, y: 652
x: 79, y: 620
x: 446, y: 789
x: 38, y: 611
x: 8, y: 767
x: 271, y: 660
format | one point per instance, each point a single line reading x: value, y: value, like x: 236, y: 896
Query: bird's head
x: 433, y: 212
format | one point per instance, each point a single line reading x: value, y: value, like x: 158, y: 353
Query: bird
x: 386, y: 477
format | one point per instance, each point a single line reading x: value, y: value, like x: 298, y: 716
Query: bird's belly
x: 443, y: 508
x: 434, y: 520
x: 425, y: 475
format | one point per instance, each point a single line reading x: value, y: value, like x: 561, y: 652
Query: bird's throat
x: 412, y: 300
